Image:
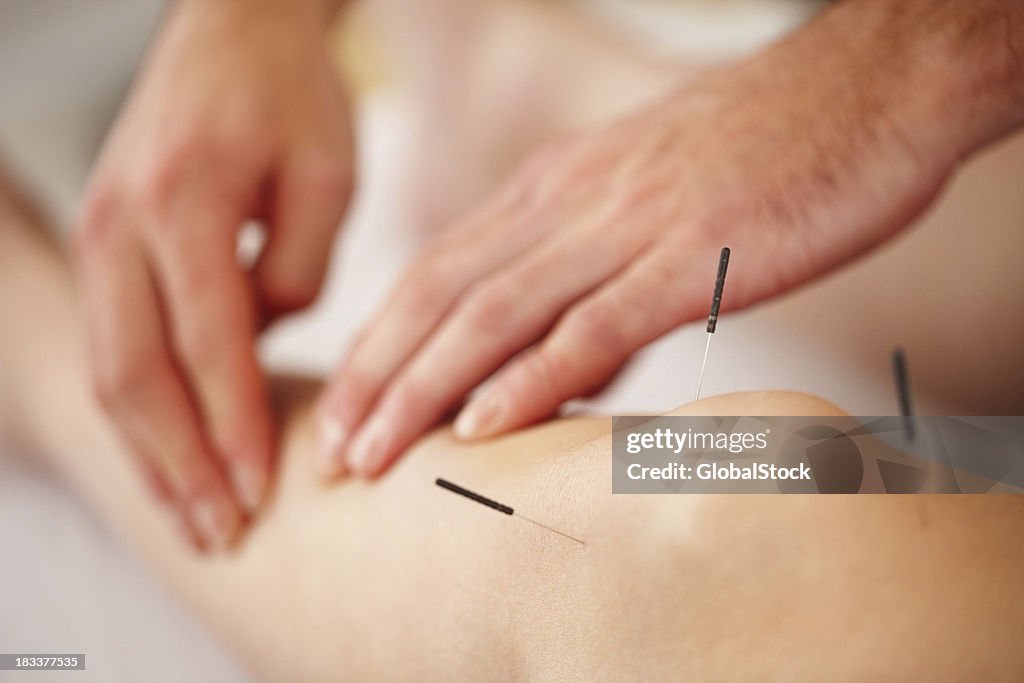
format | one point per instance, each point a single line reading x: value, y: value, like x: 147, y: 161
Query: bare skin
x: 398, y: 580
x: 238, y: 116
x: 801, y: 158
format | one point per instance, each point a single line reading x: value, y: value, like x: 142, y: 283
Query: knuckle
x: 487, y: 308
x: 95, y: 223
x: 406, y: 397
x: 595, y: 326
x: 121, y: 382
x: 427, y: 286
x: 190, y: 146
x: 157, y: 188
x: 650, y: 199
x: 173, y: 167
x: 548, y: 368
x: 179, y: 153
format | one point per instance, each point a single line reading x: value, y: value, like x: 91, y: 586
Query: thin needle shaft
x: 495, y: 505
x: 545, y: 526
x: 704, y: 364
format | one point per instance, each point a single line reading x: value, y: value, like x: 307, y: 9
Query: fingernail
x: 249, y: 485
x: 482, y: 417
x: 368, y: 449
x: 213, y: 523
x: 332, y: 447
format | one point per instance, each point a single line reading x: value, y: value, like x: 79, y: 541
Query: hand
x: 798, y: 159
x: 238, y: 116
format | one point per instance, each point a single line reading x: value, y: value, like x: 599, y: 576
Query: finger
x: 426, y: 293
x: 590, y: 344
x: 138, y: 385
x: 154, y: 480
x: 497, y: 319
x: 212, y: 320
x: 204, y: 511
x: 213, y: 527
x: 309, y: 202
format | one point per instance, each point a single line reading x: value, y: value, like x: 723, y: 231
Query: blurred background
x: 450, y: 96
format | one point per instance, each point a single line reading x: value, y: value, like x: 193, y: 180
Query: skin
x: 398, y: 580
x: 238, y: 115
x: 616, y: 231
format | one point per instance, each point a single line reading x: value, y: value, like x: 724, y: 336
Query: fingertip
x: 249, y: 483
x: 186, y: 532
x: 216, y: 521
x: 369, y: 452
x: 332, y: 438
x: 485, y: 416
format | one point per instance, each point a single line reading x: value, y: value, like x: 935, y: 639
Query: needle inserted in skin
x: 703, y: 363
x: 495, y: 505
x: 716, y: 303
x: 899, y: 372
x: 545, y: 526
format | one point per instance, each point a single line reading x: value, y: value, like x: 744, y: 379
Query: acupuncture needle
x: 900, y: 375
x: 500, y: 507
x: 716, y: 303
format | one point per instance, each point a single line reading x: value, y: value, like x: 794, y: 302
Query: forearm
x: 842, y: 133
x: 948, y: 76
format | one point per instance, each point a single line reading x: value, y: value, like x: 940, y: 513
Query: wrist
x: 947, y: 75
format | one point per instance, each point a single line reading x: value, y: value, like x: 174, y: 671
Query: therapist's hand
x: 799, y: 159
x: 238, y: 115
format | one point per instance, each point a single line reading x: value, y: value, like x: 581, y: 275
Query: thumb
x: 307, y: 208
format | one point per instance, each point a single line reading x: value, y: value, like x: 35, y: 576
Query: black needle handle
x: 455, y: 488
x: 716, y: 300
